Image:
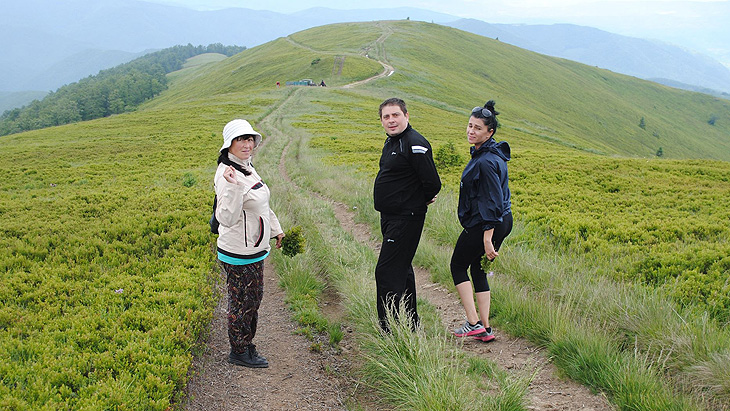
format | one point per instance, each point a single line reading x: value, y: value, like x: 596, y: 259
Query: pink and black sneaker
x: 469, y: 330
x: 487, y: 335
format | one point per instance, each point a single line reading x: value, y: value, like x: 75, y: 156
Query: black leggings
x: 469, y: 251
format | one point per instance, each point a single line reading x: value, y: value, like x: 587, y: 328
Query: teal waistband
x: 240, y: 261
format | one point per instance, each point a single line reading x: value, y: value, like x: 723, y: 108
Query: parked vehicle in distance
x: 303, y: 82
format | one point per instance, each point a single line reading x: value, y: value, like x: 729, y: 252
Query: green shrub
x: 293, y: 242
x: 447, y: 156
x: 189, y: 180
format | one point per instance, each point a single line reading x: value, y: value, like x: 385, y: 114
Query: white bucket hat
x: 236, y: 128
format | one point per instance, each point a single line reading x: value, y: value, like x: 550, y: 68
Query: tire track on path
x: 295, y: 378
x: 547, y: 390
x: 388, y: 70
x: 379, y: 43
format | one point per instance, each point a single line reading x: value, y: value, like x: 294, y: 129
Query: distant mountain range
x: 48, y: 44
x: 646, y: 59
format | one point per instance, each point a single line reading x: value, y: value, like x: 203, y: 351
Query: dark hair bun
x: 490, y: 106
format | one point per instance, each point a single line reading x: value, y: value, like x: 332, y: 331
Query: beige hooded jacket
x: 246, y: 221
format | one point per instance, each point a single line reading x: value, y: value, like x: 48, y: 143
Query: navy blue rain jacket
x: 484, y: 196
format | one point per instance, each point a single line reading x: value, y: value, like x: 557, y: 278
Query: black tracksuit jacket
x: 407, y: 179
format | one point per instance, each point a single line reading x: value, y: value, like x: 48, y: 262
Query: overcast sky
x: 455, y: 7
x: 700, y: 25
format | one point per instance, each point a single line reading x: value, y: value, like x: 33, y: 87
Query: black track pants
x: 394, y: 277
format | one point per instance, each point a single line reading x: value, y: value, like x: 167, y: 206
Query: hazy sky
x: 455, y: 7
x: 699, y: 25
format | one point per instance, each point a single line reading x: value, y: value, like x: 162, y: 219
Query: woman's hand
x: 489, y: 250
x: 278, y: 240
x: 230, y: 175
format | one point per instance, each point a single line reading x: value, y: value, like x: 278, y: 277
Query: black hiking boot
x: 248, y: 358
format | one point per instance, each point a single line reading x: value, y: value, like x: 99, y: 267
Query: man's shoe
x: 248, y: 358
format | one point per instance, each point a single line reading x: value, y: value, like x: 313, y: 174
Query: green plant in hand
x: 293, y: 242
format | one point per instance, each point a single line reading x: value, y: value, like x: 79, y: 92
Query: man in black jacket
x: 406, y: 184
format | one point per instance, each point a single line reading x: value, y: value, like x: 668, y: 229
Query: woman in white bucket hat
x: 246, y: 226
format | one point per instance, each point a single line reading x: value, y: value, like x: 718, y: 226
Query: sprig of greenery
x: 293, y: 242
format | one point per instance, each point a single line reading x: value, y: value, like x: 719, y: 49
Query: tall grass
x: 571, y: 305
x: 409, y: 370
x: 613, y: 337
x: 582, y: 349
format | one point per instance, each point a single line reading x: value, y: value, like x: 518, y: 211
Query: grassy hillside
x: 106, y: 255
x: 651, y: 221
x: 257, y: 70
x: 661, y: 220
x: 556, y: 100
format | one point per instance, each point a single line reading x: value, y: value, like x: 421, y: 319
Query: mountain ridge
x: 558, y: 100
x: 58, y: 31
x: 647, y: 59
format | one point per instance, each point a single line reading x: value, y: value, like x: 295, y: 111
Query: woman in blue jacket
x: 485, y: 213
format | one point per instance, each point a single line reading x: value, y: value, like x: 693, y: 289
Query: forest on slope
x: 112, y: 91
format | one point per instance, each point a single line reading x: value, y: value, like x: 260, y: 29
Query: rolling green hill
x: 556, y: 100
x: 106, y: 259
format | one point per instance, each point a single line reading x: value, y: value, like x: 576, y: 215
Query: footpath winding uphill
x: 301, y: 379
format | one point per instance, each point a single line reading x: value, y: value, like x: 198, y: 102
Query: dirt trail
x: 387, y: 68
x: 296, y: 378
x: 546, y: 392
